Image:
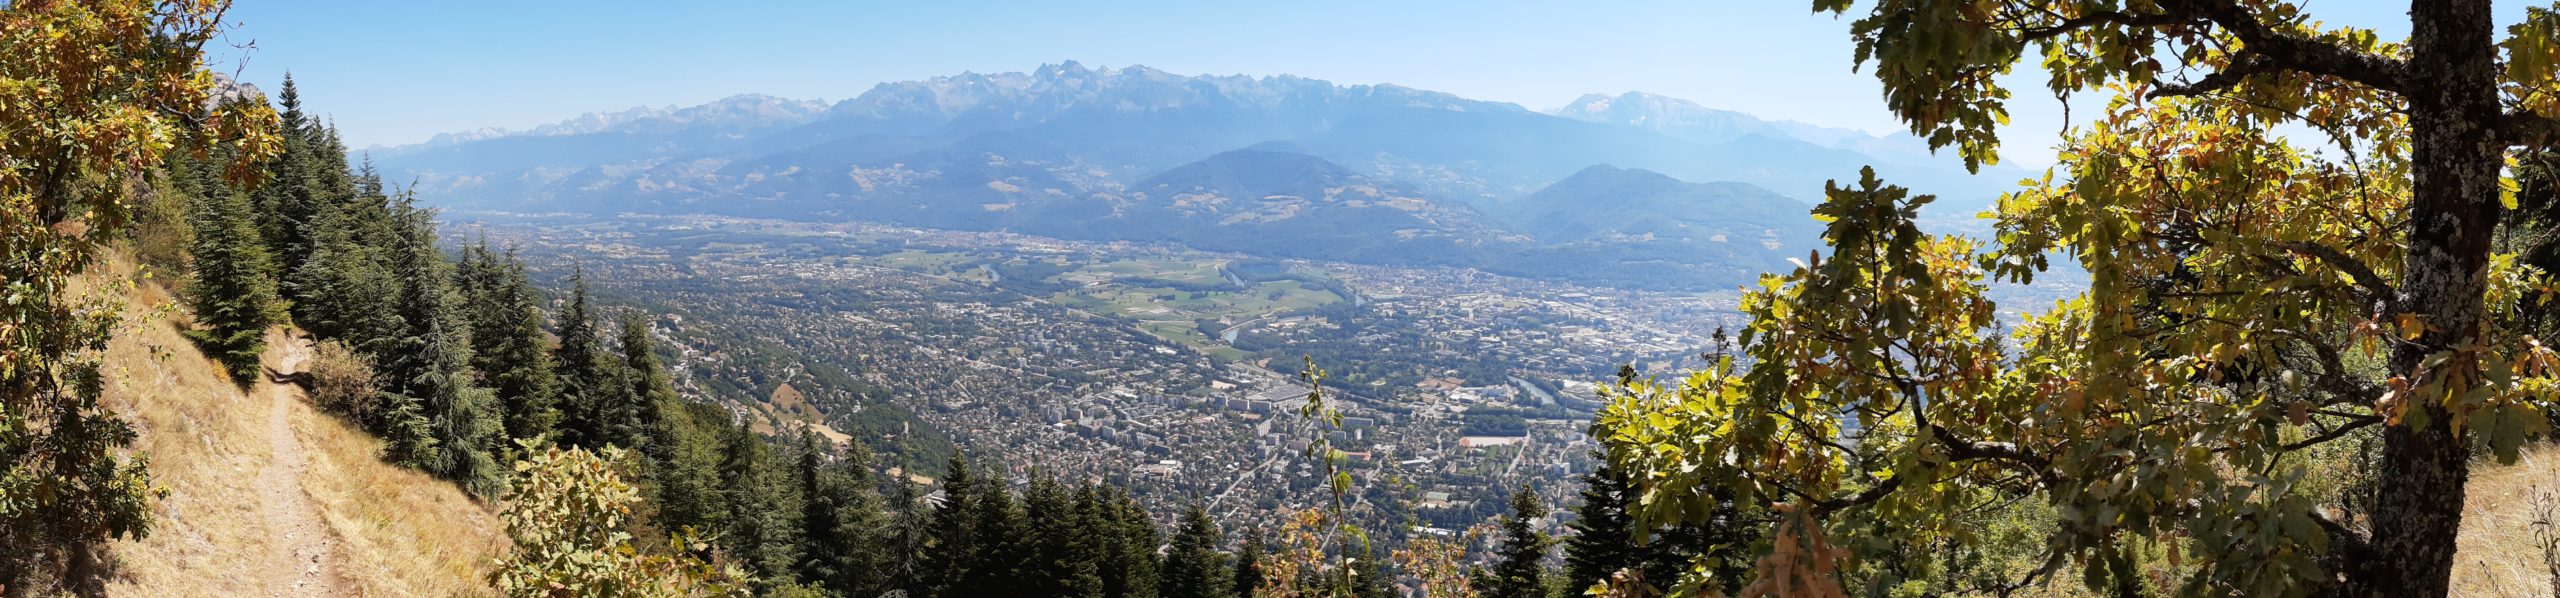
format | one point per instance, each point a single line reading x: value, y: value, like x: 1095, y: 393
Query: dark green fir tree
x: 233, y: 293
x: 508, y: 349
x: 842, y: 524
x: 1519, y: 570
x: 1194, y: 568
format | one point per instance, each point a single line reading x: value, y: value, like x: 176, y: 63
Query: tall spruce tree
x: 952, y: 533
x: 687, y: 477
x: 1194, y: 568
x: 1003, y: 558
x: 345, y: 290
x: 1369, y: 578
x: 842, y: 525
x: 589, y: 378
x: 763, y: 527
x: 631, y: 417
x: 1063, y: 561
x: 1248, y: 570
x: 508, y: 350
x: 909, y: 539
x: 430, y: 361
x: 233, y: 292
x: 285, y: 208
x: 1604, y: 539
x: 1520, y: 570
x: 1130, y: 567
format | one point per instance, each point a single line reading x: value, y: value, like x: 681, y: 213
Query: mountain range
x: 1275, y: 165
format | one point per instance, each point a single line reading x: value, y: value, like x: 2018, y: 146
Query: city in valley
x: 1175, y: 372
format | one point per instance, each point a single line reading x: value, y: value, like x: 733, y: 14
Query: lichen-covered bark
x: 2453, y: 109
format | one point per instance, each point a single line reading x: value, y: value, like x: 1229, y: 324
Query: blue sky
x: 399, y: 71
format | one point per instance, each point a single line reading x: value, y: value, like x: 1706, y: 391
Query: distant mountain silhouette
x: 1287, y: 205
x: 1378, y: 173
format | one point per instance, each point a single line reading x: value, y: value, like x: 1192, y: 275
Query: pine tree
x: 690, y: 491
x: 1195, y: 568
x: 1000, y: 566
x: 952, y: 532
x: 284, y: 209
x: 408, y: 438
x: 1370, y: 580
x: 841, y: 521
x: 763, y: 517
x: 631, y: 417
x: 1604, y: 539
x: 1248, y: 571
x: 233, y: 293
x: 430, y: 361
x: 1521, y: 567
x: 589, y: 378
x: 344, y: 290
x: 1130, y: 567
x: 1063, y: 559
x: 909, y: 540
x: 507, y: 345
x: 461, y: 416
x: 347, y: 293
x: 163, y: 231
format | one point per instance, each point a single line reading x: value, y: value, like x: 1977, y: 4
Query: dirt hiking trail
x: 307, y: 562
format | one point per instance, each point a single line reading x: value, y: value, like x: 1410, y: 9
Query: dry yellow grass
x: 395, y: 532
x: 405, y: 533
x: 204, y: 442
x: 2499, y: 554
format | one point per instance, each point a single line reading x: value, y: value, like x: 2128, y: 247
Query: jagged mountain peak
x: 1132, y: 152
x: 1666, y: 114
x: 1636, y: 107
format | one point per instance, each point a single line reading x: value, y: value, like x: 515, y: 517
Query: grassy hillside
x: 265, y: 494
x: 2510, y: 514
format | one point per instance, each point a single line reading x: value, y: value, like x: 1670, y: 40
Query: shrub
x: 567, y: 517
x: 342, y: 382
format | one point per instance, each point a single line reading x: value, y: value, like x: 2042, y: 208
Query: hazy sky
x: 399, y: 71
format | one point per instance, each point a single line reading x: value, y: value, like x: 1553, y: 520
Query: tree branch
x: 2333, y: 434
x: 2245, y: 65
x: 2293, y: 51
x: 2375, y: 287
x: 1960, y: 449
x: 2037, y: 34
x: 1870, y: 496
x: 2524, y: 128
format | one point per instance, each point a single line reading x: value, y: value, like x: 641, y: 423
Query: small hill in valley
x: 1649, y: 227
x: 1285, y: 204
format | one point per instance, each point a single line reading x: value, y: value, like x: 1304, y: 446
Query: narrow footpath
x: 307, y: 562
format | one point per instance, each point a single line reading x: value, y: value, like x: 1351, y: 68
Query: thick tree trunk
x: 2453, y: 105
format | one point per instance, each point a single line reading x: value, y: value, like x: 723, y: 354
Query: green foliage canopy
x: 2251, y: 298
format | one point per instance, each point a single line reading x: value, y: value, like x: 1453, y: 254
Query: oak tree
x: 93, y: 95
x: 2253, y: 295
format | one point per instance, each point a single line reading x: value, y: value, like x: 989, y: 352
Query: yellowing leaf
x: 2411, y: 325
